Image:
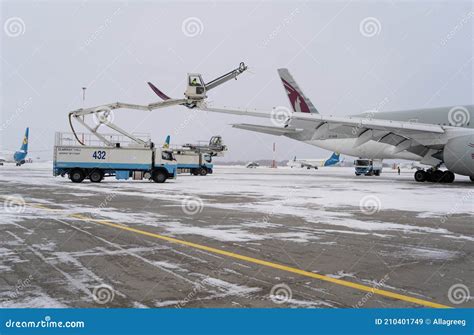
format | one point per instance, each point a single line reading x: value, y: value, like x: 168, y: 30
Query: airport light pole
x: 83, y: 105
x: 83, y: 96
x: 274, y: 161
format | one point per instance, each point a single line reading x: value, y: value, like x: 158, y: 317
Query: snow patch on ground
x: 40, y: 300
x: 341, y: 274
x: 230, y: 288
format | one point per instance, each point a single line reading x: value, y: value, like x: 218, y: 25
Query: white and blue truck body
x: 196, y: 159
x: 195, y: 163
x: 91, y: 162
x: 368, y: 167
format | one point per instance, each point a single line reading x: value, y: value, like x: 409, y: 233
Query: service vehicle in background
x: 196, y: 159
x: 368, y: 167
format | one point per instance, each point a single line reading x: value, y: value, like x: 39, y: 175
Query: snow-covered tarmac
x: 63, y: 244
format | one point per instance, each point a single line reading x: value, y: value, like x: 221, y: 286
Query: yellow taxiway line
x: 340, y: 282
x: 253, y: 260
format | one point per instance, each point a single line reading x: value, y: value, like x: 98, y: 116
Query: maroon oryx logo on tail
x: 296, y: 99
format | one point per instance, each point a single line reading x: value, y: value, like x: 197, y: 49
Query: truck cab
x: 368, y: 167
x: 196, y: 90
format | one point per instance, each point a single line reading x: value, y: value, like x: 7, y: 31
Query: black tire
x: 194, y: 172
x: 202, y: 171
x: 77, y: 175
x: 437, y: 176
x: 420, y: 176
x: 377, y: 173
x: 357, y: 174
x: 96, y: 176
x: 448, y: 177
x: 472, y: 178
x: 159, y: 176
x: 429, y: 176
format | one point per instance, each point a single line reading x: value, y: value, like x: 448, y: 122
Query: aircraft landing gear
x: 421, y: 176
x: 448, y: 177
x: 435, y: 176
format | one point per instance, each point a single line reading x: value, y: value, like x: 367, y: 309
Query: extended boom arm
x: 103, y: 114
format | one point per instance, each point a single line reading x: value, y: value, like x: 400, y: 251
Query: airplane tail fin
x: 334, y: 159
x: 24, y: 144
x: 335, y: 156
x: 298, y: 101
x: 166, y: 145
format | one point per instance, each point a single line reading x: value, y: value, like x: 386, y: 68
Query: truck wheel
x: 159, y: 176
x: 357, y: 174
x: 194, y: 172
x: 203, y: 171
x: 96, y: 176
x: 377, y: 173
x: 77, y: 176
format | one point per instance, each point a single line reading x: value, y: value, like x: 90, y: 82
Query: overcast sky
x: 348, y: 57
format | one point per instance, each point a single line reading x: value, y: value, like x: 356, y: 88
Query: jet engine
x: 458, y: 155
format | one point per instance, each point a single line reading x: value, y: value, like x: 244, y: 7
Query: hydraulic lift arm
x: 103, y: 114
x: 226, y: 77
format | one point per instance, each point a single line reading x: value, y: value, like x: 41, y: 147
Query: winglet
x: 158, y: 92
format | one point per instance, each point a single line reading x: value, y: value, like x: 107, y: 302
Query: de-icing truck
x: 94, y: 161
x: 81, y: 156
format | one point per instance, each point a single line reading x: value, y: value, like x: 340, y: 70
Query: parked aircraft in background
x: 315, y: 163
x: 252, y: 165
x: 17, y: 157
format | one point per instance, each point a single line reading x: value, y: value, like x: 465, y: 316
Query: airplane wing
x: 371, y: 123
x: 421, y: 139
x: 365, y: 128
x: 244, y: 112
x: 266, y: 129
x: 319, y: 119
